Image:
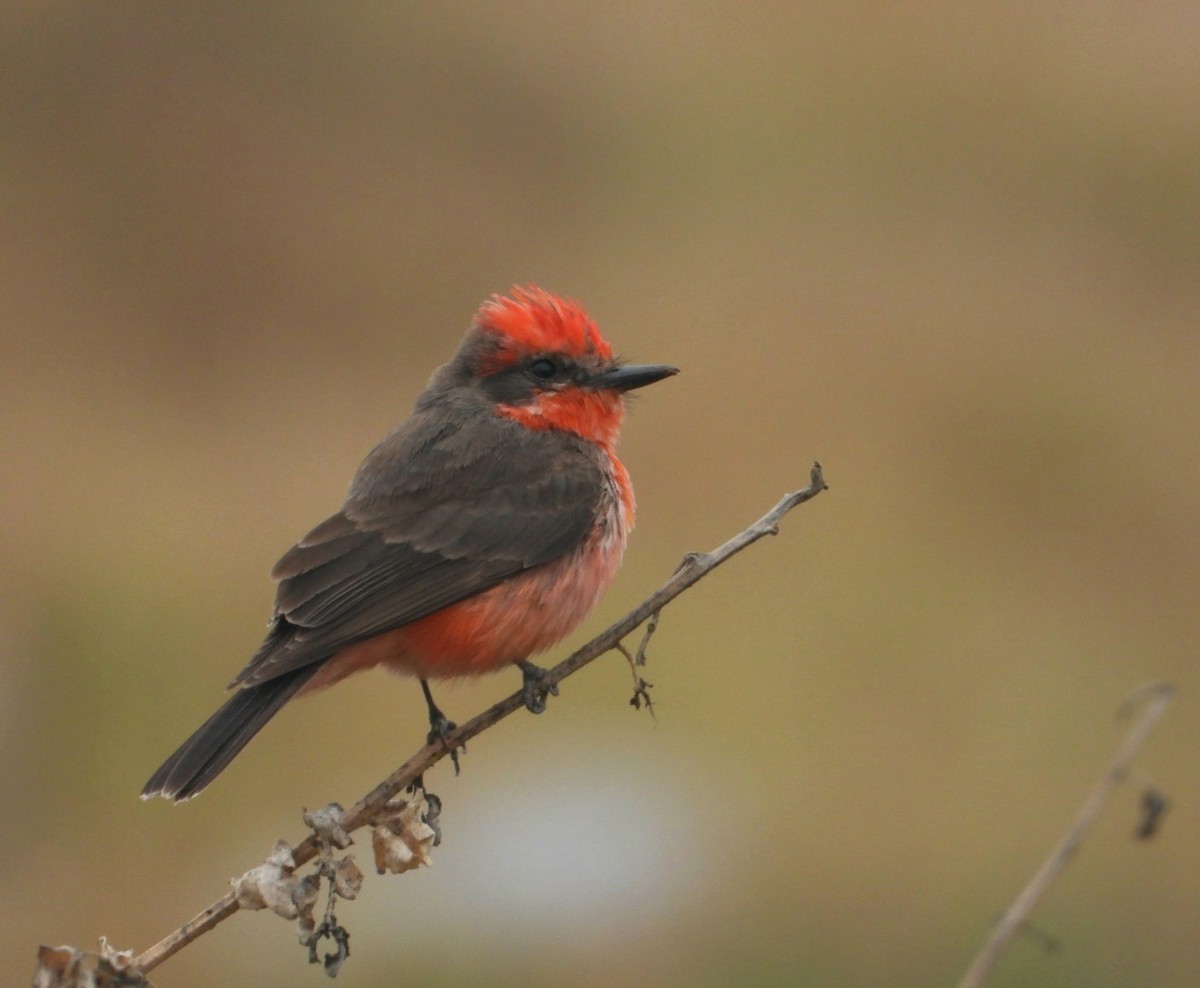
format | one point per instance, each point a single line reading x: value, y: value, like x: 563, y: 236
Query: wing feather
x: 435, y: 515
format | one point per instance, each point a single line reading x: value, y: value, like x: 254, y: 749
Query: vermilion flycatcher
x: 481, y: 531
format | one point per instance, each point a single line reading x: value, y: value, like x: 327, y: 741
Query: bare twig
x: 1157, y: 700
x: 694, y: 567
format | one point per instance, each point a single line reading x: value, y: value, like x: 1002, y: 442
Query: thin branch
x: 694, y: 567
x: 1158, y: 698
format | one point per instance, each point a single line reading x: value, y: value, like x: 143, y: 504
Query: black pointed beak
x: 631, y: 376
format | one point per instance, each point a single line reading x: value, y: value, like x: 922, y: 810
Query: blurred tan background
x: 951, y: 252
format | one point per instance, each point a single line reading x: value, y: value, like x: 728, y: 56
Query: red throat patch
x: 594, y: 415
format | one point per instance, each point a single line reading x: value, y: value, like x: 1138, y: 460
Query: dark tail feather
x: 203, y: 756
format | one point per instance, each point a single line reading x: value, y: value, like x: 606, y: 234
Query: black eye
x: 543, y: 368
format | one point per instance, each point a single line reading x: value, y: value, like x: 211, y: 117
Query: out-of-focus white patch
x: 580, y: 838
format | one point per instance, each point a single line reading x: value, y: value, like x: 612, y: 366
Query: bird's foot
x: 535, y: 689
x: 440, y: 728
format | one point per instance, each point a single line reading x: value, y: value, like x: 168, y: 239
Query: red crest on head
x: 530, y: 320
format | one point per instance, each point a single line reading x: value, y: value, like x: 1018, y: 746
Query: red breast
x: 524, y: 615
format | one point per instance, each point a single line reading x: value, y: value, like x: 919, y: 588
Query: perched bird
x: 482, y: 530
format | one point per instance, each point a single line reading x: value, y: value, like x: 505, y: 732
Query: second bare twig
x: 1159, y: 697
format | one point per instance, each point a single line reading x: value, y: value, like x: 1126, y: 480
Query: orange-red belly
x: 524, y: 615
